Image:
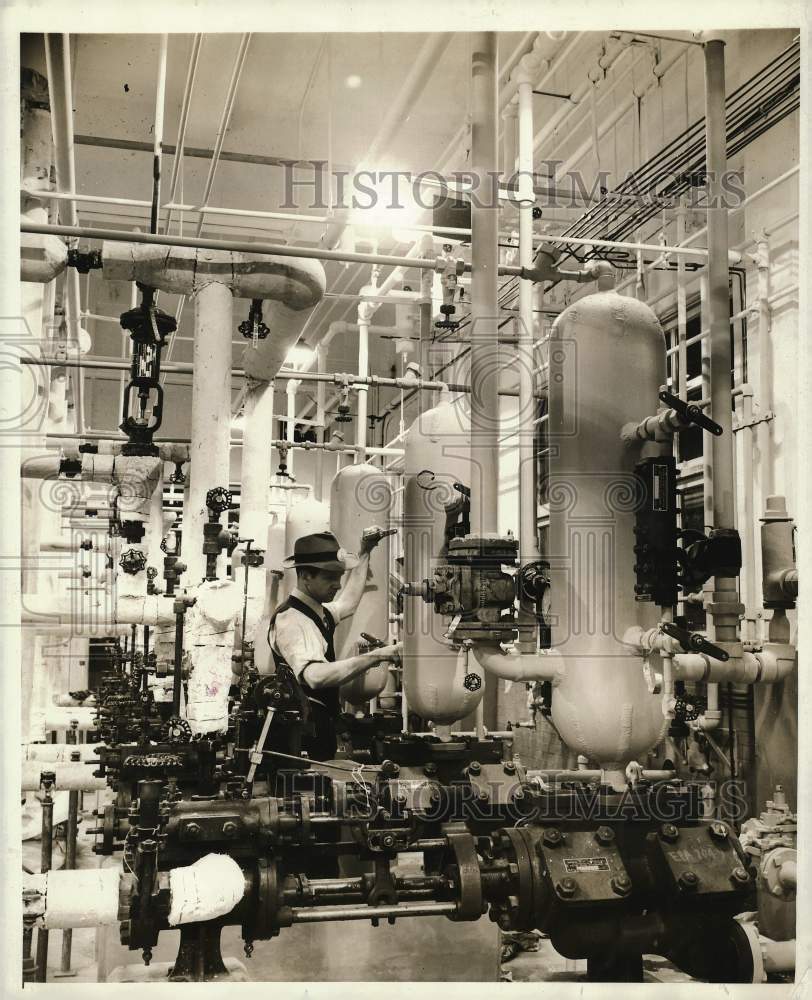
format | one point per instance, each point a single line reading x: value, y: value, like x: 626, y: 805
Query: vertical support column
x: 364, y: 315
x: 484, y: 287
x: 321, y: 399
x: 528, y: 531
x: 725, y: 608
x: 211, y: 422
x: 255, y: 490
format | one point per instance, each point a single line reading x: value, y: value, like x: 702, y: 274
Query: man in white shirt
x: 301, y: 630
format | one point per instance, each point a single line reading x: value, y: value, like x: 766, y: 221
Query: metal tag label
x: 575, y: 865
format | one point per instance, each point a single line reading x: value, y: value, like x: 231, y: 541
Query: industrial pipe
x: 484, y: 334
x: 76, y: 777
x: 726, y: 607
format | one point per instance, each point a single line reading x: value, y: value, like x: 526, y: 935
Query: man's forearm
x: 353, y: 590
x: 326, y: 674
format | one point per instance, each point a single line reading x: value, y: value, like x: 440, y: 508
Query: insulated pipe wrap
x: 209, y: 644
x: 59, y: 899
x: 607, y: 361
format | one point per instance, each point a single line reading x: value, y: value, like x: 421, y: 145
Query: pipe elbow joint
x: 512, y: 665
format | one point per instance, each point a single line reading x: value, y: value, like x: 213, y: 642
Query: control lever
x: 690, y: 412
x: 371, y: 641
x: 693, y: 642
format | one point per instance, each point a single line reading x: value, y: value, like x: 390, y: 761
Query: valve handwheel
x: 218, y: 500
x: 178, y: 730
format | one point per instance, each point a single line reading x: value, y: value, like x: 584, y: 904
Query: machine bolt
x: 484, y: 795
x: 389, y: 769
x: 229, y: 829
x: 688, y: 881
x: 510, y: 767
x: 193, y: 830
x: 552, y: 838
x: 621, y: 885
x: 430, y: 769
x: 388, y: 840
x: 718, y: 831
x: 604, y: 835
x: 566, y: 887
x: 669, y: 832
x: 474, y: 767
x: 739, y: 874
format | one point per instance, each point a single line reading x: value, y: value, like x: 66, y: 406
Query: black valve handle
x: 693, y: 642
x: 371, y: 641
x: 690, y: 412
x: 218, y: 500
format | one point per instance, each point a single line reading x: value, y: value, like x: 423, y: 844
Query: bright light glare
x: 387, y: 203
x: 299, y: 356
x: 353, y: 82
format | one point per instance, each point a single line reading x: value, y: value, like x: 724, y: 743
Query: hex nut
x: 604, y: 835
x: 230, y: 829
x: 669, y: 832
x: 739, y: 874
x: 688, y: 881
x: 552, y: 837
x: 567, y: 887
x: 621, y: 885
x: 193, y: 830
x: 718, y: 831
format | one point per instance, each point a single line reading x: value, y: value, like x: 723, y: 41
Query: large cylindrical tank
x: 438, y: 684
x: 607, y: 362
x: 361, y: 497
x: 305, y: 517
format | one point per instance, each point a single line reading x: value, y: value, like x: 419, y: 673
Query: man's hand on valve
x: 371, y: 537
x: 392, y: 652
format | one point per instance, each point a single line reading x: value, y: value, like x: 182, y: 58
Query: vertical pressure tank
x: 305, y: 517
x: 438, y: 683
x: 361, y: 497
x: 607, y: 362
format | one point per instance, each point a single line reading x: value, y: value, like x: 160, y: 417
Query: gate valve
x: 693, y: 642
x: 282, y: 471
x: 148, y: 328
x: 343, y: 409
x: 133, y: 561
x: 688, y: 708
x: 253, y: 327
x: 215, y: 537
x: 177, y: 478
x: 218, y: 500
x: 690, y: 412
x: 450, y: 269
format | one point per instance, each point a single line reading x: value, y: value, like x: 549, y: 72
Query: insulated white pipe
x: 211, y: 428
x: 726, y: 607
x: 60, y: 753
x: 512, y: 665
x: 255, y: 490
x: 69, y: 777
x: 484, y: 288
x: 362, y: 391
x: 58, y: 62
x: 527, y: 71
